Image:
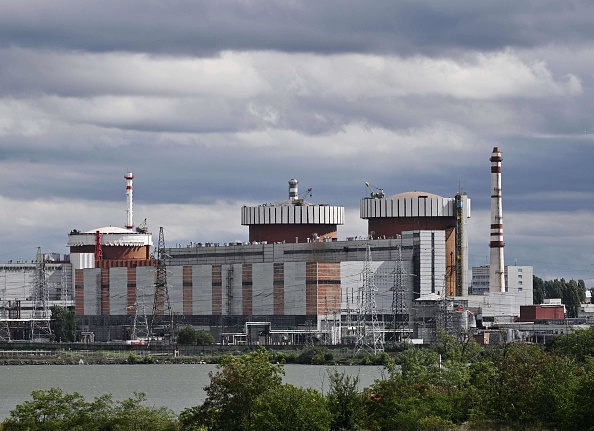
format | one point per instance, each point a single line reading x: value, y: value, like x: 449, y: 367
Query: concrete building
x: 18, y: 281
x: 501, y: 306
x: 517, y: 279
x: 389, y: 217
x: 292, y: 220
x: 28, y: 290
x: 295, y: 286
x: 294, y: 278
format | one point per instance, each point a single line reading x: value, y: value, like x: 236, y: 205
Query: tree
x: 188, y: 336
x: 572, y: 293
x: 204, y: 338
x: 578, y: 344
x: 289, y: 408
x: 344, y: 401
x: 232, y: 393
x: 63, y: 324
x: 51, y: 410
x: 538, y: 290
x: 572, y: 298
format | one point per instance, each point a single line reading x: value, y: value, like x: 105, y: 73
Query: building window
x: 519, y: 283
x: 520, y: 277
x: 519, y: 269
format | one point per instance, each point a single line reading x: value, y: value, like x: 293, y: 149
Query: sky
x: 214, y: 105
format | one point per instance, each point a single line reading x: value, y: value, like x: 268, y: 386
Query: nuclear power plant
x: 293, y: 282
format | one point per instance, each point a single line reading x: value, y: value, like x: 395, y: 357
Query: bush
x: 52, y: 410
x: 188, y: 336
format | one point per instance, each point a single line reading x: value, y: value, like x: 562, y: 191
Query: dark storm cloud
x: 214, y: 105
x: 207, y: 27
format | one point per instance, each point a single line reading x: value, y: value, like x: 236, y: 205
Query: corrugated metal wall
x: 175, y: 284
x: 292, y: 214
x: 407, y: 207
x: 272, y: 288
x: 263, y: 276
x: 92, y: 291
x: 117, y: 287
x: 202, y: 290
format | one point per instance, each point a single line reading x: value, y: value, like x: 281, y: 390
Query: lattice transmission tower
x: 4, y: 315
x: 40, y: 319
x: 400, y: 312
x: 140, y: 324
x: 161, y: 301
x: 369, y: 334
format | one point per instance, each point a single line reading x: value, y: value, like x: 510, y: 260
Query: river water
x: 172, y: 386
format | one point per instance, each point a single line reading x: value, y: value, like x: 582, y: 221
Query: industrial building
x: 412, y: 211
x: 294, y: 281
x: 517, y: 279
x: 292, y: 220
x: 27, y: 292
x: 496, y: 306
x: 294, y: 277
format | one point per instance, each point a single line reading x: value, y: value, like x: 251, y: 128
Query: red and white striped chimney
x: 129, y: 177
x: 496, y: 262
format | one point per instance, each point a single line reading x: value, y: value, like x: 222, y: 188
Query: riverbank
x: 320, y: 355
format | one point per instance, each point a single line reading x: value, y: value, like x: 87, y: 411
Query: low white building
x: 504, y: 306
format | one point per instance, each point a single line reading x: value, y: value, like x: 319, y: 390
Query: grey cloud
x: 207, y: 27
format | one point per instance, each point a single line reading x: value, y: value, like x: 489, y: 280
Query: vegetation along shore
x: 455, y: 385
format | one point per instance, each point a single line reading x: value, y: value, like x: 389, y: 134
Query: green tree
x: 204, y: 338
x: 421, y: 394
x: 52, y: 410
x: 578, y: 344
x: 572, y: 298
x: 188, y: 336
x: 581, y: 285
x: 345, y: 402
x: 538, y: 290
x: 457, y: 347
x: 63, y: 324
x: 132, y: 415
x: 289, y: 408
x: 232, y: 393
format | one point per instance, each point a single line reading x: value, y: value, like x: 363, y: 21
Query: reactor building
x: 292, y: 220
x: 417, y: 211
x: 293, y: 279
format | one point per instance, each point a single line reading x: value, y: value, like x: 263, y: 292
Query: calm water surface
x: 173, y: 386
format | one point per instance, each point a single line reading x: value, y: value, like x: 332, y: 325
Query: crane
x: 379, y: 194
x: 301, y: 199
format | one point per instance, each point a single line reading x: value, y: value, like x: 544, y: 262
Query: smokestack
x: 496, y: 263
x: 293, y: 190
x: 129, y: 177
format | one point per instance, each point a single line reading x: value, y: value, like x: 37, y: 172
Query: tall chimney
x: 129, y: 177
x: 496, y: 263
x: 293, y: 190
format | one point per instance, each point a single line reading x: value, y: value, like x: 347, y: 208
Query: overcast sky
x: 214, y: 105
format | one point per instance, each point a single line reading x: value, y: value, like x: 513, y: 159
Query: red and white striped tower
x: 293, y: 190
x: 496, y: 262
x: 129, y: 177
